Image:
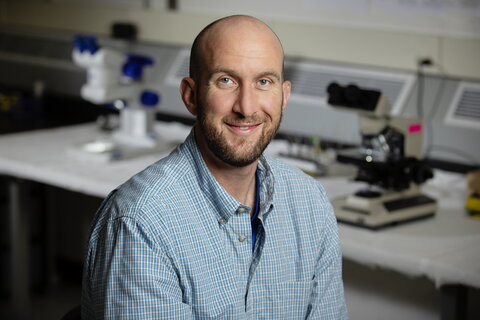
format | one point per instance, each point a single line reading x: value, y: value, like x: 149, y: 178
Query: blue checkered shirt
x: 171, y: 243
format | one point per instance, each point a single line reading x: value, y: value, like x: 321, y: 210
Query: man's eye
x: 263, y: 82
x: 225, y: 80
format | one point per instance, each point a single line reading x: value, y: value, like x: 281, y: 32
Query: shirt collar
x: 225, y: 205
x: 267, y: 189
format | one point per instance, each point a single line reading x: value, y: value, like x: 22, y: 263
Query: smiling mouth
x: 243, y: 128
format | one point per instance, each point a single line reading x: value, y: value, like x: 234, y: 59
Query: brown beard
x: 217, y: 143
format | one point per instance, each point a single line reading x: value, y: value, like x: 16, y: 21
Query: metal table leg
x: 453, y: 302
x: 20, y: 263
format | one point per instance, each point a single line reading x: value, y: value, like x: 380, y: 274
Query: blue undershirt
x: 255, y: 219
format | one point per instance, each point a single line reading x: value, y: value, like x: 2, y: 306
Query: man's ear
x: 187, y: 92
x: 287, y: 88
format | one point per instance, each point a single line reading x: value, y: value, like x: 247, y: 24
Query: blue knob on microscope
x: 149, y: 98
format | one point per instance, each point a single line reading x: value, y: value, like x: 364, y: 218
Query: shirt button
x: 221, y: 220
x: 241, y: 210
x: 242, y: 238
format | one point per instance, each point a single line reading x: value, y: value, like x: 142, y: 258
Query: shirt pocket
x: 291, y: 300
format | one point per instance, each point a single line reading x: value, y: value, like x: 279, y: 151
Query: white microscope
x: 389, y: 161
x: 116, y: 78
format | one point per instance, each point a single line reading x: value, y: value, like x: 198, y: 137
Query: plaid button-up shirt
x: 171, y: 243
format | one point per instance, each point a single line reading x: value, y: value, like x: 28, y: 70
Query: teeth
x: 243, y: 128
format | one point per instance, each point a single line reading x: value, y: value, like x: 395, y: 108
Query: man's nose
x: 247, y: 101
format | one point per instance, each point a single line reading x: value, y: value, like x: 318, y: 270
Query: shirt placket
x: 255, y: 260
x: 240, y: 235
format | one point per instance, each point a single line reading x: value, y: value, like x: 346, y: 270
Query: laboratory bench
x: 444, y: 249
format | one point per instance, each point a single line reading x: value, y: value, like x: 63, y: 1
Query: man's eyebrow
x: 222, y: 70
x: 273, y: 74
x: 270, y: 74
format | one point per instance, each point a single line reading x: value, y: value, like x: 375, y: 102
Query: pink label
x: 414, y: 128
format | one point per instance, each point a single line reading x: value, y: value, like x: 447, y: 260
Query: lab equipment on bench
x: 115, y: 78
x: 472, y: 203
x: 389, y: 160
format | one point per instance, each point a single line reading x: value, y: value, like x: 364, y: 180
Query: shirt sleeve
x: 329, y: 299
x: 129, y: 276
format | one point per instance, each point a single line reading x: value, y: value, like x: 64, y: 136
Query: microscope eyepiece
x: 352, y: 96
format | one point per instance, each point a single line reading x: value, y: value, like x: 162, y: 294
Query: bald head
x: 239, y: 28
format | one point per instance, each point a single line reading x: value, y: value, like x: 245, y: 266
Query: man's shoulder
x: 159, y: 184
x: 155, y: 198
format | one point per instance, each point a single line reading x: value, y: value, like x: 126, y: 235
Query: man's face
x: 242, y: 149
x: 240, y: 97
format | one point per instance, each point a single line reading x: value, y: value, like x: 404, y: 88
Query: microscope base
x: 383, y: 211
x: 109, y: 150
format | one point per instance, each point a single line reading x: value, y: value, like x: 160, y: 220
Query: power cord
x: 421, y: 78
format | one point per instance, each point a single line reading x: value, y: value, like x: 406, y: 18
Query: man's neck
x: 239, y: 182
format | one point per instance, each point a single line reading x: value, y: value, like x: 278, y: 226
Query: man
x: 217, y: 230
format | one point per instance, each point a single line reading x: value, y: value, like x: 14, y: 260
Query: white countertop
x: 42, y: 156
x: 445, y: 248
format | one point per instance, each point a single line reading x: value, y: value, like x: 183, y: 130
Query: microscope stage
x: 376, y: 213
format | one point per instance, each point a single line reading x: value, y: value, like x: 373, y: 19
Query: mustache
x: 253, y: 119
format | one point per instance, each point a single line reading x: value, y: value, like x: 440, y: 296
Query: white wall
x: 367, y: 32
